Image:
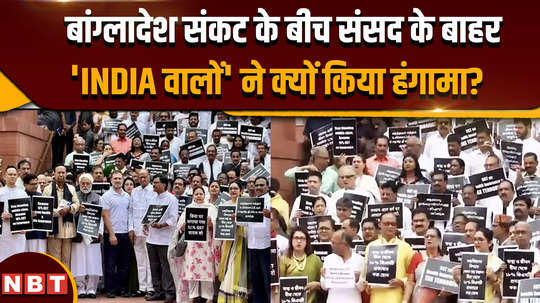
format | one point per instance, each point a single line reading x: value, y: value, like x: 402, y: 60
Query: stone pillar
x: 21, y: 138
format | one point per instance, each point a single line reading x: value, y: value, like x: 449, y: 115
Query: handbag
x: 181, y: 246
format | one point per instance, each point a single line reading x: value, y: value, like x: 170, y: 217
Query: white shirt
x: 10, y: 244
x: 119, y: 205
x: 259, y: 233
x: 282, y: 244
x: 331, y: 205
x: 477, y: 159
x: 211, y: 170
x: 368, y: 183
x: 436, y: 147
x: 174, y: 145
x: 341, y: 295
x: 162, y: 236
x: 141, y: 198
x: 296, y: 205
x: 143, y: 125
x: 530, y: 145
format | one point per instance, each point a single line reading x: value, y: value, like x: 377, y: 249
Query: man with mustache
x: 522, y: 206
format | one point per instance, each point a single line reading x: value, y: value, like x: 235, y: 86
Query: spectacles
x: 299, y: 239
x: 346, y: 177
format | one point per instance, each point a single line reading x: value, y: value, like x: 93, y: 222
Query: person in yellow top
x: 388, y: 235
x: 277, y: 202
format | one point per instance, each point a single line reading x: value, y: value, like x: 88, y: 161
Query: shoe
x: 91, y: 296
x: 82, y: 296
x: 170, y: 300
x: 149, y: 294
x: 155, y: 297
x: 111, y: 295
x: 139, y: 293
x: 125, y: 294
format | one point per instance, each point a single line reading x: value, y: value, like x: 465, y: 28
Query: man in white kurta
x: 10, y: 244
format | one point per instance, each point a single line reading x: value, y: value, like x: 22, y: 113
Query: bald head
x: 522, y: 235
x: 347, y: 176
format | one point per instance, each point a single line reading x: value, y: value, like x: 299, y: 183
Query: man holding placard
x: 388, y: 227
x: 10, y: 243
x: 341, y: 271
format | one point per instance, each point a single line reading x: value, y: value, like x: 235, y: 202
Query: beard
x: 86, y: 190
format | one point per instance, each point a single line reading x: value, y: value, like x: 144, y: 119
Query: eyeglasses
x: 346, y: 176
x: 299, y: 239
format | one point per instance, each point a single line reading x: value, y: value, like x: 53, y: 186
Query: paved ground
x: 101, y: 298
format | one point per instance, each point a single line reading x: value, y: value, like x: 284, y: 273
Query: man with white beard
x: 86, y: 258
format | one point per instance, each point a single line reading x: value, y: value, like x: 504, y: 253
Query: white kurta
x: 10, y: 244
x: 86, y: 259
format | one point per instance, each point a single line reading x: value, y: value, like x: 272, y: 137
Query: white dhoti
x: 143, y: 264
x: 86, y: 266
x: 36, y: 245
x: 204, y: 289
x: 11, y: 244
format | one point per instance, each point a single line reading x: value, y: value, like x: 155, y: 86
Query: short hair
x: 469, y: 185
x: 28, y: 178
x: 11, y: 166
x: 525, y: 199
x: 347, y: 238
x: 353, y: 223
x: 509, y: 182
x: 439, y: 172
x: 216, y: 130
x: 388, y: 213
x: 454, y: 138
x: 158, y: 149
x: 460, y: 161
x: 381, y: 137
x: 23, y: 161
x: 117, y: 172
x: 494, y: 156
x: 87, y: 176
x: 371, y: 220
x: 193, y: 114
x: 263, y: 144
x: 120, y: 124
x: 478, y: 224
x: 390, y: 184
x: 261, y: 177
x: 180, y: 178
x: 315, y: 173
x: 344, y: 202
x: 96, y: 167
x: 531, y: 154
x: 236, y: 151
x: 420, y: 210
x: 327, y: 219
x: 274, y: 184
x: 524, y: 121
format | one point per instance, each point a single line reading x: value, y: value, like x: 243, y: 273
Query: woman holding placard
x: 301, y: 261
x: 233, y: 269
x: 199, y: 257
x: 432, y: 240
x: 483, y: 243
x: 363, y: 179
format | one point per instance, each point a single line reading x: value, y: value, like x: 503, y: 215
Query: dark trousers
x: 116, y: 263
x: 57, y: 146
x: 259, y: 267
x: 162, y: 279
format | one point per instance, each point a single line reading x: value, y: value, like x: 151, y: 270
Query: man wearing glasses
x: 437, y: 143
x: 347, y: 177
x: 394, y: 293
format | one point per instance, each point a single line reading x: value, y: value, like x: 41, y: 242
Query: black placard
x: 306, y: 204
x: 359, y: 247
x: 81, y: 162
x: 225, y: 228
x: 94, y: 156
x: 311, y: 224
x: 196, y: 224
x: 438, y: 205
x: 155, y: 168
x: 426, y: 125
x: 344, y: 138
x: 512, y: 153
x: 359, y: 205
x: 455, y: 183
x: 165, y: 156
x: 249, y: 210
x: 502, y: 249
x: 222, y: 197
x: 381, y: 264
x: 473, y: 212
x: 183, y: 201
x: 487, y: 183
x: 292, y: 289
x: 133, y: 131
x: 397, y: 137
x: 135, y: 164
x: 528, y: 291
x: 417, y: 243
x: 21, y: 211
x: 110, y: 126
x: 154, y: 213
x: 274, y: 263
x: 227, y: 127
x: 438, y: 275
x: 467, y: 133
x: 455, y: 252
x: 442, y: 164
x: 150, y: 142
x: 323, y: 136
x: 227, y: 159
x: 386, y: 173
x: 408, y: 191
x: 162, y: 125
x: 90, y: 220
x: 100, y: 187
x: 109, y: 160
x: 506, y: 129
x: 451, y: 239
x: 253, y: 133
x: 473, y: 276
x: 321, y: 249
x: 182, y: 170
x: 377, y: 210
x: 257, y: 171
x: 201, y: 134
x: 519, y: 266
x: 43, y: 208
x: 195, y: 149
x: 529, y: 188
x: 222, y: 150
x: 300, y: 181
